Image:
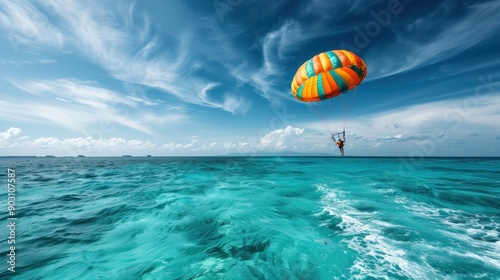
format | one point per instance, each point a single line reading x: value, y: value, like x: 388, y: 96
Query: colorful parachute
x: 327, y: 75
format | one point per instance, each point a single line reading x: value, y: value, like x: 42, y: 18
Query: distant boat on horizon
x: 148, y: 156
x: 80, y: 156
x: 50, y: 156
x: 126, y: 156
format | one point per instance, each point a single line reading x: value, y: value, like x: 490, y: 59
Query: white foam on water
x: 377, y: 255
x: 418, y: 208
x: 483, y: 258
x: 388, y: 191
x: 473, y: 231
x: 490, y: 251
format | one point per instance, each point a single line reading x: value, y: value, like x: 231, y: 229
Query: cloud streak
x: 80, y: 104
x: 119, y: 44
x: 27, y: 24
x: 412, y: 51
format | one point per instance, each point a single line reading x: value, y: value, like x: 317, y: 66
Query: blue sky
x: 213, y: 77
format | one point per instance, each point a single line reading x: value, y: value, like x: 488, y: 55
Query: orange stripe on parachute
x: 309, y: 93
x: 334, y: 89
x: 306, y: 91
x: 354, y: 76
x: 352, y: 58
x: 318, y: 67
x: 343, y: 58
x: 346, y: 77
x: 315, y: 96
x: 326, y: 85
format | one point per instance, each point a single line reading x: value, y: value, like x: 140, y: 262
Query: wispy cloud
x: 277, y: 43
x: 119, y: 43
x: 80, y: 104
x: 28, y: 24
x: 81, y: 92
x: 328, y: 9
x: 451, y: 69
x: 27, y: 62
x: 275, y: 46
x: 233, y: 103
x: 96, y: 33
x: 414, y: 48
x: 267, y: 75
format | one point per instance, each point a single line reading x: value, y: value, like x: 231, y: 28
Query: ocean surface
x: 253, y: 218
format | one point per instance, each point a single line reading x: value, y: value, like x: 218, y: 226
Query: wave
x: 468, y: 232
x: 377, y: 256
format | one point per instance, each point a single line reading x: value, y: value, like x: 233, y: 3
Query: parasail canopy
x: 327, y: 75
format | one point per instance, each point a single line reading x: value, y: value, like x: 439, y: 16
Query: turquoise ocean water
x: 254, y: 218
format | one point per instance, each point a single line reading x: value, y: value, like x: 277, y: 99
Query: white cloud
x: 10, y: 137
x: 70, y: 146
x: 208, y: 147
x: 105, y: 145
x: 191, y: 144
x: 229, y: 145
x: 172, y: 145
x: 277, y: 139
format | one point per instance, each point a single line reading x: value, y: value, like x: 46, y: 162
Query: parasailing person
x: 340, y: 142
x: 326, y: 79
